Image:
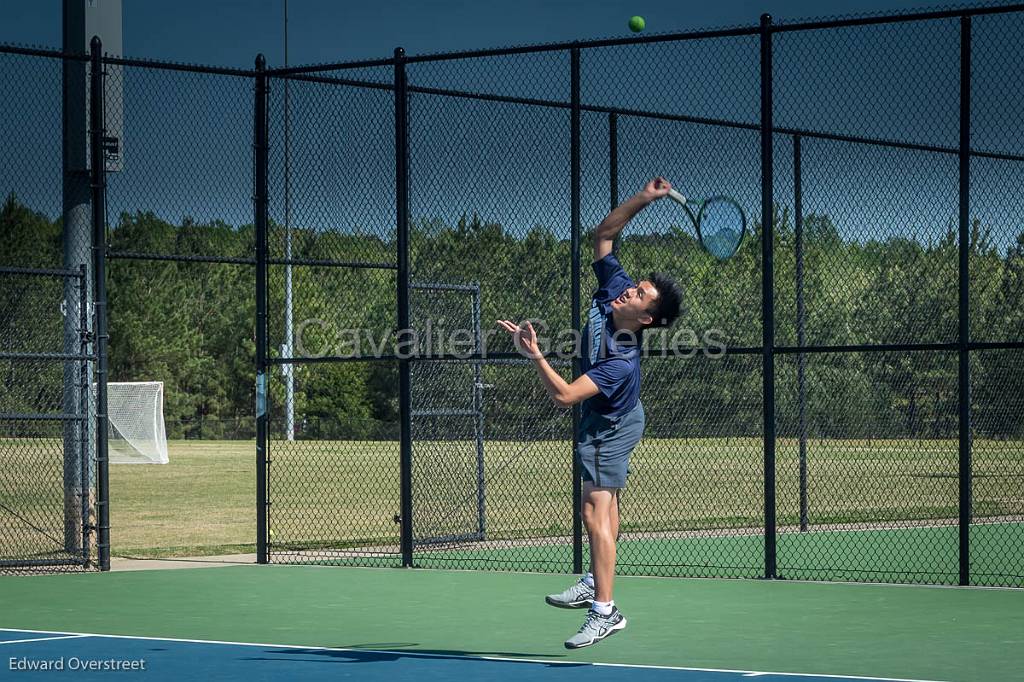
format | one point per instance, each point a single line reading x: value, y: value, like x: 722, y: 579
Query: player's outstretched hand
x: 657, y: 188
x: 524, y: 337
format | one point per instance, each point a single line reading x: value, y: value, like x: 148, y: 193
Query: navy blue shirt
x: 612, y: 362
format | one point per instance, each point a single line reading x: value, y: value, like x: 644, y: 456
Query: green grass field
x: 335, y: 494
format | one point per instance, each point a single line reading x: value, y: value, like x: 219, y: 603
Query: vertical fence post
x: 801, y: 358
x: 404, y: 368
x: 260, y: 152
x: 613, y: 160
x: 964, y: 329
x: 767, y: 297
x: 99, y: 221
x: 574, y: 241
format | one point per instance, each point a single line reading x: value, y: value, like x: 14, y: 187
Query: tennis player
x: 612, y: 415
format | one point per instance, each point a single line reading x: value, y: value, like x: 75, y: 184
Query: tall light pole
x: 80, y: 21
x: 286, y: 351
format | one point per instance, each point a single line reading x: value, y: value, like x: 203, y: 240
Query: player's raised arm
x: 611, y: 226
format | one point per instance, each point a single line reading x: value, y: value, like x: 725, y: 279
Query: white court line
x: 504, y: 659
x: 36, y: 639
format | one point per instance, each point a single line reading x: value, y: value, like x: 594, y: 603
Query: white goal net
x: 135, y: 413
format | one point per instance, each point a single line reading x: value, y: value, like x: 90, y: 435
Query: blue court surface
x: 33, y: 654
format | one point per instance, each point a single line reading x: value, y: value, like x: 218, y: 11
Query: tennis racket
x: 719, y: 222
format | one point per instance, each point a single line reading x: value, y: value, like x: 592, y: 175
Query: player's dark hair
x: 669, y: 302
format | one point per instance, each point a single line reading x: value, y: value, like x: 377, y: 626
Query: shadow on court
x: 387, y: 652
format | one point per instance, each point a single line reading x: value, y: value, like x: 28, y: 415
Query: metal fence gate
x: 448, y: 474
x: 53, y: 438
x: 47, y: 482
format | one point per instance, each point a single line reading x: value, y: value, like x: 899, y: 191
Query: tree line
x: 191, y: 325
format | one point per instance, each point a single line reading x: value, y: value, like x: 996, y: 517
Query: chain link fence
x: 48, y: 490
x: 840, y: 401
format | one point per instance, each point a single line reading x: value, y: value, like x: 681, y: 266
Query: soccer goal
x: 135, y: 414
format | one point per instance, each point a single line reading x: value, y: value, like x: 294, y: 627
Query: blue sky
x: 232, y: 32
x: 892, y: 82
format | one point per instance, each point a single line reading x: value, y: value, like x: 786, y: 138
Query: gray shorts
x: 605, y: 445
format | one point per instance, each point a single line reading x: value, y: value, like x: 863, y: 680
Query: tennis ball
x: 271, y: 533
x: 636, y: 24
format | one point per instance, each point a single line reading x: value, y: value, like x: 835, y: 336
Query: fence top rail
x: 39, y: 51
x: 640, y: 113
x: 339, y: 66
x: 930, y: 15
x: 518, y: 50
x: 736, y: 31
x: 53, y: 53
x: 178, y: 66
x: 328, y: 80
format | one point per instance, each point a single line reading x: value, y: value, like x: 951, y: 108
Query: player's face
x: 635, y: 303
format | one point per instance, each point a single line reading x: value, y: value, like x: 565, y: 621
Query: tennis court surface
x: 310, y: 622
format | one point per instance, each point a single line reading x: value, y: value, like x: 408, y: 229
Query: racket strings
x: 721, y: 226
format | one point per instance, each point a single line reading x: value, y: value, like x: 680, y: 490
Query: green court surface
x: 924, y: 554
x: 887, y: 631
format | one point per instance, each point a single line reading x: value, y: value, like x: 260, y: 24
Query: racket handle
x: 677, y: 197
